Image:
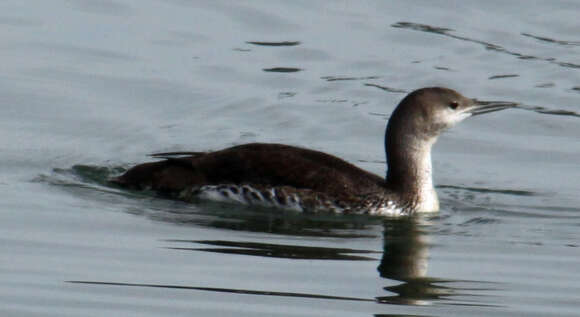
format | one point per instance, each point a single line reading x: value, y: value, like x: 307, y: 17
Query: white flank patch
x: 388, y: 209
x: 272, y: 197
x: 248, y: 195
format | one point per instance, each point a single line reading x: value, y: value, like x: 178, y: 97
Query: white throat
x: 428, y: 201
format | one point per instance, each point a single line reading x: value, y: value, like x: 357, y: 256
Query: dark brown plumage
x: 269, y: 165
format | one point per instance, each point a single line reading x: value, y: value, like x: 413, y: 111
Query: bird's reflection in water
x: 264, y: 220
x: 405, y: 256
x: 406, y: 244
x: 404, y: 249
x: 403, y: 265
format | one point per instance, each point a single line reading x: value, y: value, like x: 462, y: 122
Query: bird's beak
x: 481, y: 107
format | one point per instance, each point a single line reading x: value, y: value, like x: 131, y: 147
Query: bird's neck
x: 410, y: 171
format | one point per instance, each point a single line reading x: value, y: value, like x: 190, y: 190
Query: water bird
x: 305, y: 180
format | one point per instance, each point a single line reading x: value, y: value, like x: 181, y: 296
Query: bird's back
x: 256, y: 164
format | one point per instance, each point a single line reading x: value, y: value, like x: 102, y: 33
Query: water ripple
x: 340, y: 78
x: 550, y: 40
x: 276, y: 250
x: 282, y: 69
x: 283, y: 43
x: 225, y: 290
x: 487, y: 45
x: 385, y: 88
x: 492, y: 190
x: 503, y: 76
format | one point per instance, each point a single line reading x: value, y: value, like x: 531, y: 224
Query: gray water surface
x: 89, y: 88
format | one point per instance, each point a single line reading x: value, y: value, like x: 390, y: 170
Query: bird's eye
x: 453, y: 105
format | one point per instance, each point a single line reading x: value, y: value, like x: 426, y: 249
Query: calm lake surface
x: 89, y: 88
